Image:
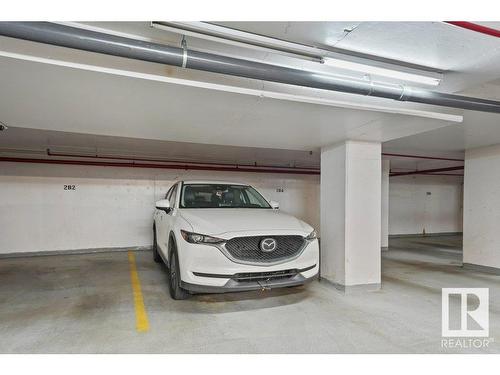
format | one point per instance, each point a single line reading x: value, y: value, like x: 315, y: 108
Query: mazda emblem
x: 268, y: 244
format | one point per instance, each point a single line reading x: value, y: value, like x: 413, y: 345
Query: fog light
x: 312, y: 236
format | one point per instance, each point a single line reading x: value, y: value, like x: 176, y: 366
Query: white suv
x: 220, y: 237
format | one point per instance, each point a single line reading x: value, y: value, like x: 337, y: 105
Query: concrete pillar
x: 351, y: 215
x: 482, y: 209
x: 384, y: 241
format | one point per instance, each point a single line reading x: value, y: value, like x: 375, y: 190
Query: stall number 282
x: 69, y: 187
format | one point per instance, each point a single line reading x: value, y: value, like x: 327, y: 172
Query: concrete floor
x: 84, y: 304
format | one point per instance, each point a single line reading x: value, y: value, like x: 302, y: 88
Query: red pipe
x: 209, y: 166
x: 182, y: 164
x: 222, y: 168
x: 420, y: 157
x: 442, y: 174
x: 476, y: 27
x: 447, y: 169
x: 50, y: 153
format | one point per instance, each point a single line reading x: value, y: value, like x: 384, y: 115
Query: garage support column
x: 386, y: 167
x: 351, y: 215
x: 481, y: 241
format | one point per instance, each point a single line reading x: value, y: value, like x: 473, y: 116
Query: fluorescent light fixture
x: 431, y: 80
x: 226, y: 35
x: 236, y: 89
x: 238, y: 38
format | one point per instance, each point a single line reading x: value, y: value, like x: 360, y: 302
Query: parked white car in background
x: 221, y: 237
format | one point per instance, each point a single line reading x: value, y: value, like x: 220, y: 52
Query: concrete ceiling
x: 467, y: 57
x: 90, y: 97
x: 47, y: 97
x: 479, y: 129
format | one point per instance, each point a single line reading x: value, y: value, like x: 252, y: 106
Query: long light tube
x: 240, y: 38
x: 384, y: 72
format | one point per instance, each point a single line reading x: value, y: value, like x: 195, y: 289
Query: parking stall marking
x: 141, y: 316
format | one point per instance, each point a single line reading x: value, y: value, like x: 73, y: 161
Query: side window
x: 173, y: 196
x: 240, y: 197
x: 252, y: 199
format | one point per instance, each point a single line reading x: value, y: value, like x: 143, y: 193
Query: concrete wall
x: 482, y: 207
x: 412, y: 210
x: 112, y: 207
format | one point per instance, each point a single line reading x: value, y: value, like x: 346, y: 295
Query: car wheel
x: 156, y: 255
x: 174, y: 277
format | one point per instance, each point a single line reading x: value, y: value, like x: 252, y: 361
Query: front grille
x: 248, y: 249
x: 264, y: 276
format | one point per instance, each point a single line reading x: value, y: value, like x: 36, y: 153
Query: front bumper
x: 205, y: 269
x: 234, y: 285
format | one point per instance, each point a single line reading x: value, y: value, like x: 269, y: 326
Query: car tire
x: 156, y: 255
x: 174, y: 279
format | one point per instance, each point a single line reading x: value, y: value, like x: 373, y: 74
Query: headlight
x: 200, y: 238
x: 312, y: 236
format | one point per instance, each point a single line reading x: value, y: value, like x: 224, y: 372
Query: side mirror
x: 275, y: 205
x: 163, y: 205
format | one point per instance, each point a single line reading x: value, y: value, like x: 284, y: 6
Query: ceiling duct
x: 72, y: 37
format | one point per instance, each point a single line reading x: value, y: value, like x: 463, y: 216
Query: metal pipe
x: 420, y: 157
x: 160, y: 166
x: 246, y: 39
x: 222, y: 34
x: 447, y: 169
x: 476, y: 27
x: 182, y: 163
x: 222, y: 167
x: 71, y: 37
x: 443, y: 174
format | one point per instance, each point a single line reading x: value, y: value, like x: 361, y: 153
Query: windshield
x: 221, y: 196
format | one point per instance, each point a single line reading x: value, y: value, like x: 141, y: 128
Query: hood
x: 219, y: 221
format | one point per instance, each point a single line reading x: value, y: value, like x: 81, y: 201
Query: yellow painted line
x: 141, y: 317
